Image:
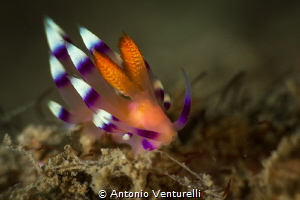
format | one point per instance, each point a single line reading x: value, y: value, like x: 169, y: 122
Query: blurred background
x: 261, y: 38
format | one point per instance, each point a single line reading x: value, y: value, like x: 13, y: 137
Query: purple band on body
x: 147, y: 134
x: 66, y: 38
x: 91, y: 97
x: 113, y: 126
x: 183, y: 118
x: 60, y: 52
x: 101, y: 47
x: 159, y: 93
x: 85, y: 66
x: 184, y: 113
x: 62, y: 80
x: 106, y: 128
x: 147, y: 145
x: 64, y: 115
x: 167, y: 105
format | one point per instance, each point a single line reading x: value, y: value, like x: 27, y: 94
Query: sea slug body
x: 116, y: 93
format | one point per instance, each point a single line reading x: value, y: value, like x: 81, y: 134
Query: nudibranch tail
x: 99, y: 97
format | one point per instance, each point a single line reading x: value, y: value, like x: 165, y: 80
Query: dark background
x: 221, y: 38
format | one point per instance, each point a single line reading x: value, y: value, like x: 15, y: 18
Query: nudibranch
x: 118, y: 94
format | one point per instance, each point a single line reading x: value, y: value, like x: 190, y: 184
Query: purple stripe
x: 130, y: 134
x: 60, y: 52
x: 91, y: 97
x: 159, y: 93
x: 147, y: 134
x: 109, y: 127
x: 147, y: 145
x: 66, y: 38
x: 61, y: 80
x: 100, y: 47
x: 180, y: 123
x: 106, y: 128
x: 185, y: 112
x: 167, y: 105
x: 85, y: 66
x: 114, y: 118
x: 64, y: 115
x: 113, y: 126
